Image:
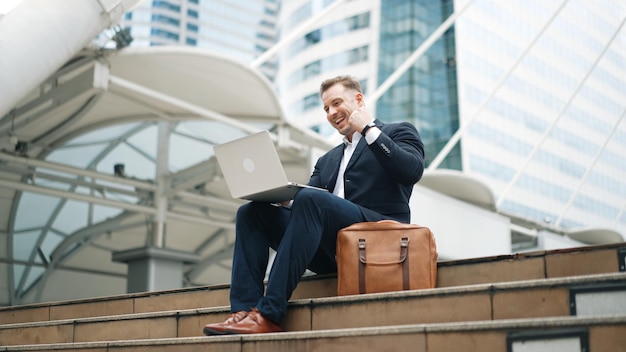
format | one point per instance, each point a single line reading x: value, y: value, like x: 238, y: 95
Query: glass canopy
x: 114, y: 162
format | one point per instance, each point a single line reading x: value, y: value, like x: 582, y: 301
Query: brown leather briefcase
x: 385, y: 256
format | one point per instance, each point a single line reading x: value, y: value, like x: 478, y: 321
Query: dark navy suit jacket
x: 379, y: 177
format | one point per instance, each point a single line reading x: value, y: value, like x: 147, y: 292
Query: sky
x: 6, y: 5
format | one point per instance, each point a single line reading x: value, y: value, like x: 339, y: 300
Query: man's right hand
x: 359, y: 118
x: 285, y: 203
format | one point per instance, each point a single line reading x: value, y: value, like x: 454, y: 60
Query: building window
x: 313, y: 37
x: 158, y: 32
x: 165, y: 5
x: 312, y: 69
x: 311, y: 102
x: 332, y: 30
x: 192, y: 27
x: 165, y: 19
x: 358, y: 55
x: 329, y: 63
x: 264, y: 36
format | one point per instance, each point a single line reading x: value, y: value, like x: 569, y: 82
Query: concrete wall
x: 461, y: 230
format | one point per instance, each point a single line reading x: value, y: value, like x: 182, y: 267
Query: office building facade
x: 534, y: 92
x: 239, y: 29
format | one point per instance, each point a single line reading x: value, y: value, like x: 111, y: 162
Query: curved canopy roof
x: 156, y: 112
x: 461, y: 186
x: 595, y: 236
x: 464, y: 187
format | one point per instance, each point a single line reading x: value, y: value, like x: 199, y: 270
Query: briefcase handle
x: 404, y: 252
x: 404, y: 259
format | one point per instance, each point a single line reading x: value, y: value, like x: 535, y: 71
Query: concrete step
x: 543, y: 298
x: 597, y: 334
x: 505, y: 268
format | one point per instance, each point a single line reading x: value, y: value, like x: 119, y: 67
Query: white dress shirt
x: 348, y: 150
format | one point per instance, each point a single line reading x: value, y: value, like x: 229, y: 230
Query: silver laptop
x: 252, y: 169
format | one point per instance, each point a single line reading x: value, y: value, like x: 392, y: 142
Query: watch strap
x: 367, y: 127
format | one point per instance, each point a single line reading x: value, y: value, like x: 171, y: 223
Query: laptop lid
x: 252, y: 169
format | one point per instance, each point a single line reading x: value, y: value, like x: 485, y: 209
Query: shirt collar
x: 355, y: 139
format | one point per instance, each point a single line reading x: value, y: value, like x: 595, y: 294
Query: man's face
x: 339, y: 103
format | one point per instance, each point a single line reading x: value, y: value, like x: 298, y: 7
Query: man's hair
x: 347, y: 81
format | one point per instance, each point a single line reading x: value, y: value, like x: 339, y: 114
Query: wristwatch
x: 367, y: 127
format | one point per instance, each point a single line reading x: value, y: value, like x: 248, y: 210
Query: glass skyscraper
x: 241, y: 29
x: 533, y: 90
x: 541, y: 89
x: 426, y: 95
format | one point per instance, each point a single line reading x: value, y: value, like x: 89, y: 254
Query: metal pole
x: 161, y: 177
x: 112, y: 203
x: 76, y: 171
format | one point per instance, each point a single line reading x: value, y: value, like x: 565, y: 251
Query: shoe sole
x: 231, y: 332
x: 211, y: 332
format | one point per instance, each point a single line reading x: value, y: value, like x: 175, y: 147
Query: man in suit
x: 370, y: 177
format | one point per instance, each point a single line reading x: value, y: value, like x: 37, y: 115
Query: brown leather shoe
x: 254, y: 323
x: 218, y: 328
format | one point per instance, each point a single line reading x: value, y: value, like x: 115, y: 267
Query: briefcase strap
x: 404, y: 254
x: 362, y: 261
x: 404, y: 259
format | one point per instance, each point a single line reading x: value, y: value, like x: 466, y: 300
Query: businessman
x: 370, y: 177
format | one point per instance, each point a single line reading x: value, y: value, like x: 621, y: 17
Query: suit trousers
x: 303, y: 237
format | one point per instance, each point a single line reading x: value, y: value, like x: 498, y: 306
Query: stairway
x: 560, y: 300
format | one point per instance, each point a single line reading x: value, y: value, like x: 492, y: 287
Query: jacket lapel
x: 335, y: 160
x: 361, y: 147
